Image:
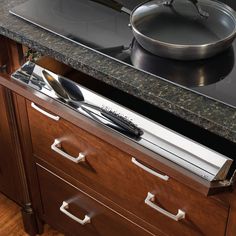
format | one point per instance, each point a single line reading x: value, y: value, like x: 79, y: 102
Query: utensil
x: 75, y: 94
x: 55, y: 85
x: 174, y: 29
x: 70, y: 92
x: 58, y: 89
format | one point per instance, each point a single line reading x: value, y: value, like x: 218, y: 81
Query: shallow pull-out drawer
x: 125, y: 180
x: 73, y: 212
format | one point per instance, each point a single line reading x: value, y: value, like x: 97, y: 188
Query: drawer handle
x: 64, y: 208
x: 57, y: 118
x: 55, y: 148
x: 149, y: 201
x: 164, y: 177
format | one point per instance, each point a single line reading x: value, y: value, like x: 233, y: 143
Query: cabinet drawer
x: 73, y: 212
x: 126, y: 181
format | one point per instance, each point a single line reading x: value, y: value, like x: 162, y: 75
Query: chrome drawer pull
x: 55, y: 148
x: 149, y: 201
x: 65, y: 206
x: 164, y: 177
x: 57, y: 118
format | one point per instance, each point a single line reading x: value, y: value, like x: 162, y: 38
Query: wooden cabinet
x: 13, y: 179
x: 13, y: 182
x: 12, y: 172
x: 64, y: 169
x: 74, y: 212
x: 119, y: 177
x: 7, y: 154
x: 9, y: 162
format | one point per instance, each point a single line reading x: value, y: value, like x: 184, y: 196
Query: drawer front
x: 125, y: 180
x: 73, y: 212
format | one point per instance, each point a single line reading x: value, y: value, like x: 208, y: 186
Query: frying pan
x: 181, y: 29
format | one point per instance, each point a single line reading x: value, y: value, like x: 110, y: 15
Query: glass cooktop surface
x: 105, y: 30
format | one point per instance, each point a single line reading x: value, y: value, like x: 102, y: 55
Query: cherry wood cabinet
x: 74, y: 212
x: 13, y: 182
x: 114, y: 174
x: 92, y: 171
x: 11, y: 165
x: 13, y: 179
x: 8, y: 167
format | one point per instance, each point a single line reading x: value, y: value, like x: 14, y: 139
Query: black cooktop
x: 106, y: 31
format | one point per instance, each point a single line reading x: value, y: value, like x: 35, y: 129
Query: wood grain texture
x: 11, y: 222
x: 12, y: 178
x: 13, y: 181
x: 7, y: 178
x: 231, y: 230
x: 110, y: 172
x: 24, y: 133
x: 104, y: 221
x: 231, y: 226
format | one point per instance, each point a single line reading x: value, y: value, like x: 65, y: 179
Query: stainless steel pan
x: 181, y: 29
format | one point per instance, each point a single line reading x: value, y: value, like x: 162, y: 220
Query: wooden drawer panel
x: 103, y: 221
x: 111, y: 172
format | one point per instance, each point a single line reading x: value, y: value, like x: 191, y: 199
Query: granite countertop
x: 201, y: 111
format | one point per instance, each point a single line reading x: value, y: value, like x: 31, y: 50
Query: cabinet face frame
x: 10, y: 154
x: 13, y: 179
x: 11, y: 57
x: 7, y: 169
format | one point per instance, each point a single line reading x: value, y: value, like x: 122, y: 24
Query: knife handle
x: 122, y: 122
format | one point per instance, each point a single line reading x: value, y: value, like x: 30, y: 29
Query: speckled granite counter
x: 210, y: 115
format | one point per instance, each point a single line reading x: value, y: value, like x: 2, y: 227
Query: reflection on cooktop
x: 190, y: 73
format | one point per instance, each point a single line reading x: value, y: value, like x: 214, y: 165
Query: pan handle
x: 195, y: 3
x: 114, y: 5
